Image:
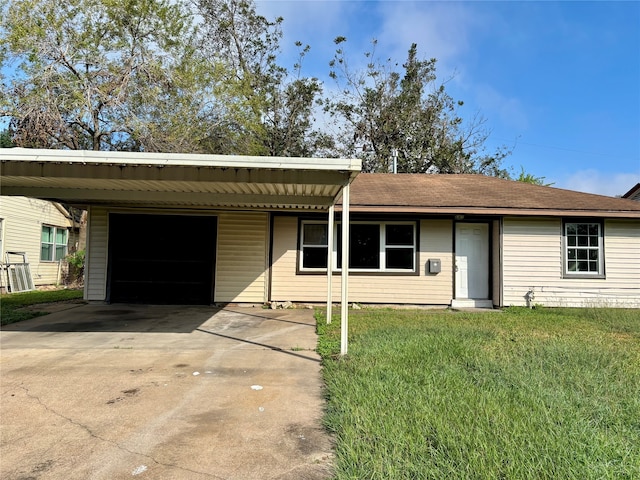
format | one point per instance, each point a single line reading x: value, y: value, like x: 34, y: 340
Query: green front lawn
x: 12, y: 304
x: 518, y: 394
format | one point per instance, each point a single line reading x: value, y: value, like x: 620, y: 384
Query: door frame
x: 474, y: 302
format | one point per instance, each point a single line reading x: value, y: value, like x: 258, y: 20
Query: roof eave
x: 502, y: 212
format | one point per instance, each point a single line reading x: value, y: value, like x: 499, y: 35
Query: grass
x: 12, y: 306
x: 519, y: 394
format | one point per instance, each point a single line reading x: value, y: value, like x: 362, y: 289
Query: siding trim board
x: 484, y: 212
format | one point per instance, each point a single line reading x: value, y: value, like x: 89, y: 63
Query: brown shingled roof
x: 477, y: 194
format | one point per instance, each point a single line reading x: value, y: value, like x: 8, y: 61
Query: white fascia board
x: 179, y: 159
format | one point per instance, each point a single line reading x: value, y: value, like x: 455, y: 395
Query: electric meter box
x: 434, y: 265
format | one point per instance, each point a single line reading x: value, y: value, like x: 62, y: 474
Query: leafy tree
x: 530, y: 178
x: 5, y: 139
x: 383, y: 113
x: 145, y: 75
x: 104, y: 75
x: 269, y: 109
x: 288, y: 120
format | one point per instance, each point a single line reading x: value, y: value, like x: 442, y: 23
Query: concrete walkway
x: 162, y: 392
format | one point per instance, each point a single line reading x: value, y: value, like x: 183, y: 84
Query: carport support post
x: 344, y: 307
x: 330, y: 263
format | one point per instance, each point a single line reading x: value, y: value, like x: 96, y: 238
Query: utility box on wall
x: 433, y: 265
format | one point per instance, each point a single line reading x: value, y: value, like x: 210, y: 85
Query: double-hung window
x: 584, y: 249
x: 53, y: 244
x: 314, y: 245
x: 373, y: 246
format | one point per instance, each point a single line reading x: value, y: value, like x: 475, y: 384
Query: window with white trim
x: 53, y: 244
x: 373, y: 246
x: 314, y: 244
x: 584, y: 252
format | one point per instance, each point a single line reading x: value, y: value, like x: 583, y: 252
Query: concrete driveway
x: 162, y: 392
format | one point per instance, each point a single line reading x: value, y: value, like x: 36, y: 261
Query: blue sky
x: 557, y: 81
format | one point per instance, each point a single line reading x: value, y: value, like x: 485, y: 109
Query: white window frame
x: 54, y: 245
x: 382, y: 252
x: 304, y: 245
x: 568, y: 247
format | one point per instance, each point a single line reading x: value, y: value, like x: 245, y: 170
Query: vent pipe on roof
x: 394, y: 155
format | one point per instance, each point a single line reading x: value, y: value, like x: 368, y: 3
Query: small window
x: 53, y: 243
x: 584, y: 252
x: 314, y: 245
x: 400, y: 246
x: 373, y: 246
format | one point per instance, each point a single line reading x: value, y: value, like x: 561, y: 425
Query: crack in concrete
x: 106, y: 440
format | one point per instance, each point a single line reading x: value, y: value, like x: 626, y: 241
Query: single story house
x: 175, y: 228
x: 38, y: 231
x: 470, y: 240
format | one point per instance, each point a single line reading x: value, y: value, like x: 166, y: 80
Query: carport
x: 161, y: 187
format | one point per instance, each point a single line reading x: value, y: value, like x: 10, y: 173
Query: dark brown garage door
x: 161, y: 259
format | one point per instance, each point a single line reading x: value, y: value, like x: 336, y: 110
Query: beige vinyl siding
x: 496, y: 264
x: 95, y: 279
x: 622, y: 262
x: 23, y: 219
x: 533, y: 260
x: 241, y: 267
x: 425, y: 288
x: 436, y: 241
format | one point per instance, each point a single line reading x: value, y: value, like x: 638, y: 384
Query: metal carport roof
x: 193, y: 181
x: 171, y: 179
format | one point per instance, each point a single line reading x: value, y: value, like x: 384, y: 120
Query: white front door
x: 472, y: 261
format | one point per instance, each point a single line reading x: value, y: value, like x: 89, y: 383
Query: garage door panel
x: 162, y: 258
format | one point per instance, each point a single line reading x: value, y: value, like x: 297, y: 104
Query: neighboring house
x: 170, y: 228
x: 634, y: 193
x: 42, y: 230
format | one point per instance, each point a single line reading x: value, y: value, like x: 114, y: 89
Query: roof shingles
x: 462, y: 193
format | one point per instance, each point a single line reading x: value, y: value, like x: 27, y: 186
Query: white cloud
x: 595, y: 181
x: 441, y: 30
